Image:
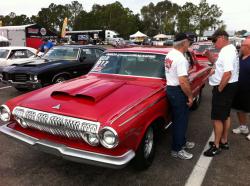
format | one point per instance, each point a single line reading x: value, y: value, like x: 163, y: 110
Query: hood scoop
x: 92, y: 92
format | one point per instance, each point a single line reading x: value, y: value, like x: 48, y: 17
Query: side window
x: 98, y: 52
x: 88, y: 53
x: 18, y: 54
x: 29, y: 53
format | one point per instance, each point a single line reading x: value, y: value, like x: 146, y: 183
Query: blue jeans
x: 180, y: 111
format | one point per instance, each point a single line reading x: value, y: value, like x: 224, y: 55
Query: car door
x: 196, y: 73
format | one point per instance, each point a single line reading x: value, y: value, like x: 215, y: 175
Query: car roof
x: 153, y: 50
x: 79, y: 46
x: 17, y: 47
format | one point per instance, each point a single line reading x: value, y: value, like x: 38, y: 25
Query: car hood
x: 91, y: 97
x: 35, y: 65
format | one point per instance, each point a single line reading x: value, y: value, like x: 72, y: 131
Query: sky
x: 235, y: 13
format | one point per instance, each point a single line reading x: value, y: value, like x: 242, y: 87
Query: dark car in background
x: 59, y: 64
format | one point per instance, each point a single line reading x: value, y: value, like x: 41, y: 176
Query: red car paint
x: 129, y: 104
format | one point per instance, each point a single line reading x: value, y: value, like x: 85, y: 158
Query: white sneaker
x: 248, y: 137
x: 242, y: 129
x: 189, y: 145
x: 182, y: 154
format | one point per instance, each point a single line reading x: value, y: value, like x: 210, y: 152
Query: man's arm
x: 186, y: 88
x: 224, y: 80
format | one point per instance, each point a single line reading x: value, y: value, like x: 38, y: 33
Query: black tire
x: 146, y: 151
x: 21, y: 89
x: 59, y: 79
x: 197, y: 101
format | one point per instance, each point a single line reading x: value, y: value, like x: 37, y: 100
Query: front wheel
x: 59, y: 79
x: 21, y: 89
x: 146, y: 151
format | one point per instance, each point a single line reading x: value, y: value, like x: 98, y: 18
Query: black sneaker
x: 224, y: 146
x: 212, y: 151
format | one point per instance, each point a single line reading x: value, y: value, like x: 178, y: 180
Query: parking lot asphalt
x: 22, y: 165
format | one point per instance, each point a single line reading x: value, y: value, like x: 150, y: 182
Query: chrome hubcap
x: 149, y: 140
x: 59, y: 80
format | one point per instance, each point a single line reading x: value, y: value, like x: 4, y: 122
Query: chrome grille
x: 21, y: 77
x: 55, y: 124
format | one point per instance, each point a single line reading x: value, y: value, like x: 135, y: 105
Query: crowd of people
x: 230, y: 79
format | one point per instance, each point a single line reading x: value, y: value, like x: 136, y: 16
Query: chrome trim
x: 72, y: 154
x: 126, y: 75
x: 8, y: 110
x: 55, y: 124
x: 20, y: 83
x: 102, y: 141
x: 143, y: 110
x: 134, y: 105
x: 168, y: 125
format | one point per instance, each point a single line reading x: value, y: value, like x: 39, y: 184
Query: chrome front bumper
x: 26, y: 84
x: 69, y: 153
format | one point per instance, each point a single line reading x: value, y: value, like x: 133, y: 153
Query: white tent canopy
x: 3, y: 39
x: 137, y: 35
x: 160, y: 36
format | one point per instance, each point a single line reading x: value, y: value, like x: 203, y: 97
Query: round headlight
x: 5, y: 113
x: 33, y: 77
x: 91, y: 139
x: 108, y: 137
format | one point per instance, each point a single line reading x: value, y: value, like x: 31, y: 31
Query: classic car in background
x: 200, y: 47
x: 15, y: 55
x: 108, y: 117
x: 59, y: 64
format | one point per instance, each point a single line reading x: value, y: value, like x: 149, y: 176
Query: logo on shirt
x: 168, y: 63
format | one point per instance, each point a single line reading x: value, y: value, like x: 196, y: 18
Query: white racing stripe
x: 5, y: 87
x: 201, y: 167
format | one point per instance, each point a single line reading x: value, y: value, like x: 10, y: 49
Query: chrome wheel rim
x: 148, y: 143
x: 59, y: 80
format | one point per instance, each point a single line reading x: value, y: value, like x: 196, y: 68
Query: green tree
x: 52, y: 17
x: 111, y: 16
x: 207, y: 16
x: 186, y: 18
x: 75, y: 8
x: 159, y: 18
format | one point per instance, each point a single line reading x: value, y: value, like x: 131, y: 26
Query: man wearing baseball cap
x: 179, y: 95
x: 223, y: 79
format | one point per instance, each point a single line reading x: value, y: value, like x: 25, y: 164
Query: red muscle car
x: 108, y: 117
x: 200, y: 47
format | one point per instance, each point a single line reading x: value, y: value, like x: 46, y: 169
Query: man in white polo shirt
x: 179, y: 95
x: 224, y: 78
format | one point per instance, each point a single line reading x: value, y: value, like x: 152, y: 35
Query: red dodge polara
x: 109, y: 116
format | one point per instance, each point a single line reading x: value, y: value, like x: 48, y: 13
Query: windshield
x: 135, y: 64
x: 64, y: 53
x: 3, y: 53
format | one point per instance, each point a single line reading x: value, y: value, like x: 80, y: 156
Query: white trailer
x: 106, y: 36
x: 15, y: 34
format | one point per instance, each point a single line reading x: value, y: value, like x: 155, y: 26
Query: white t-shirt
x: 228, y: 60
x: 176, y: 65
